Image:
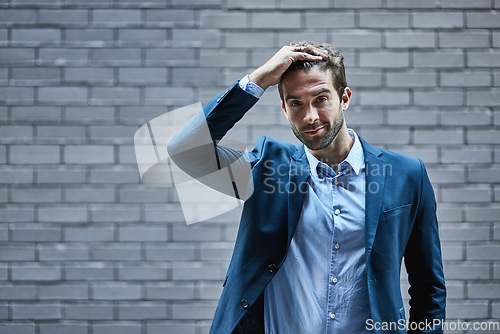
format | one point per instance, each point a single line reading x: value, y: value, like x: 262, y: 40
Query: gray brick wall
x: 86, y: 248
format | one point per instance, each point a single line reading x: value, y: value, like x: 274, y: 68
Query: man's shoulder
x: 273, y: 146
x: 392, y: 157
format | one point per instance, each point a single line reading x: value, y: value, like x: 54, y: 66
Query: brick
x: 411, y: 79
x: 34, y: 154
x: 170, y: 327
x: 384, y: 19
x: 116, y: 174
x: 164, y: 213
x: 199, y: 270
x: 61, y: 134
x: 35, y: 272
x: 483, y: 251
x: 145, y: 272
x: 35, y: 75
x: 412, y: 118
x: 89, y: 194
x: 63, y: 252
x: 170, y: 57
x: 466, y: 4
x: 410, y: 39
x: 116, y: 252
x: 116, y: 291
x: 141, y: 233
x: 16, y: 95
x: 383, y: 97
x: 13, y: 292
x: 483, y: 174
x: 364, y: 78
x: 249, y: 39
x: 483, y: 137
x: 172, y: 17
x: 15, y: 174
x: 177, y: 251
x: 483, y: 98
x: 61, y: 57
x: 258, y: 4
x: 219, y: 251
x: 439, y: 98
x: 94, y: 271
x: 116, y: 328
x: 89, y: 311
x: 143, y: 37
x: 483, y: 290
x: 329, y: 19
x: 211, y: 3
x: 270, y: 20
x: 181, y: 96
x: 60, y: 174
x: 35, y: 233
x: 89, y: 115
x: 487, y: 20
x: 198, y: 311
x: 464, y: 231
x: 142, y: 311
x: 63, y: 292
x: 39, y: 36
x: 439, y: 59
x: 483, y: 59
x: 116, y: 17
x: 222, y: 19
x: 114, y: 213
x: 411, y: 4
x: 356, y: 39
x: 10, y: 17
x: 438, y: 19
x: 467, y: 310
x: 197, y: 38
x: 88, y: 154
x: 34, y: 114
x: 384, y: 59
x: 18, y: 213
x: 62, y: 95
x: 473, y: 39
x: 468, y: 154
x: 88, y: 233
x: 143, y: 75
x: 16, y: 133
x: 36, y: 311
x: 456, y: 78
x: 63, y: 213
x: 115, y: 95
x: 116, y: 57
x: 222, y: 58
x: 210, y: 291
x: 482, y: 214
x: 113, y: 134
x: 63, y: 17
x: 466, y: 194
x: 89, y: 37
x: 452, y: 251
x: 466, y: 270
x: 170, y: 290
x: 17, y: 56
x: 64, y: 328
x: 17, y: 328
x: 357, y: 4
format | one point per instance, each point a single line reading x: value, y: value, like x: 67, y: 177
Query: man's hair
x: 334, y: 62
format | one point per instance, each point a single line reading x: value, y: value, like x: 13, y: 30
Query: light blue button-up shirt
x: 322, y: 285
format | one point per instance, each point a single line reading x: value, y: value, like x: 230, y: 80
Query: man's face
x: 313, y: 107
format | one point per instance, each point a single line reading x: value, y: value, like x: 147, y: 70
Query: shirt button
x: 337, y: 212
x: 335, y: 181
x: 334, y: 280
x: 337, y: 246
x: 332, y: 315
x: 244, y: 303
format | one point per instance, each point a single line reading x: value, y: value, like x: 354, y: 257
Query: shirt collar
x: 355, y: 160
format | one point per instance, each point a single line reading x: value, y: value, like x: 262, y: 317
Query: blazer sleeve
x: 424, y: 264
x: 195, y: 148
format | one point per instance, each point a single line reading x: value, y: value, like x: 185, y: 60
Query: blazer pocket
x: 397, y: 210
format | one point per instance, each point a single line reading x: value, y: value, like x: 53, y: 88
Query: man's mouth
x: 314, y: 131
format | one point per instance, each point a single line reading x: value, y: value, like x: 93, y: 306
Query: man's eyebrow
x: 321, y: 91
x: 292, y: 97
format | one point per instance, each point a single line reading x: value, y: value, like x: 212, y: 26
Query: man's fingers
x: 307, y: 56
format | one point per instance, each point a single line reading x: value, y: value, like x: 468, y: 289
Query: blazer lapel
x: 375, y: 182
x: 296, y: 188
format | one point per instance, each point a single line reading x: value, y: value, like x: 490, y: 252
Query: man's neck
x: 337, y: 151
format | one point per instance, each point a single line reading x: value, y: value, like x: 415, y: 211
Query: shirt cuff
x: 250, y: 87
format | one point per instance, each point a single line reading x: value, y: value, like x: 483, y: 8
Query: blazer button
x: 244, y: 303
x: 272, y: 268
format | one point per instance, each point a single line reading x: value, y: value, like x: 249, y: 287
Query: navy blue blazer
x: 400, y: 222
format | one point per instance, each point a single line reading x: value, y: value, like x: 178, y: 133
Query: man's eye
x: 294, y: 104
x: 321, y: 99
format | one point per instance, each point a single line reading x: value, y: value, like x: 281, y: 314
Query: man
x: 319, y: 247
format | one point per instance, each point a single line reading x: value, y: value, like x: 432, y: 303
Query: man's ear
x: 284, y: 109
x: 346, y: 98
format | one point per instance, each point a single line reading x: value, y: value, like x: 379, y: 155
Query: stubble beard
x: 330, y: 135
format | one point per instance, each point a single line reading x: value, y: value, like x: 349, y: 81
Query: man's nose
x: 311, y: 115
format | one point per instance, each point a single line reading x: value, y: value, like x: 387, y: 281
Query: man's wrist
x: 251, y: 87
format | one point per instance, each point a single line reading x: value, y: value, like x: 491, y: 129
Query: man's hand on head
x: 270, y: 73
